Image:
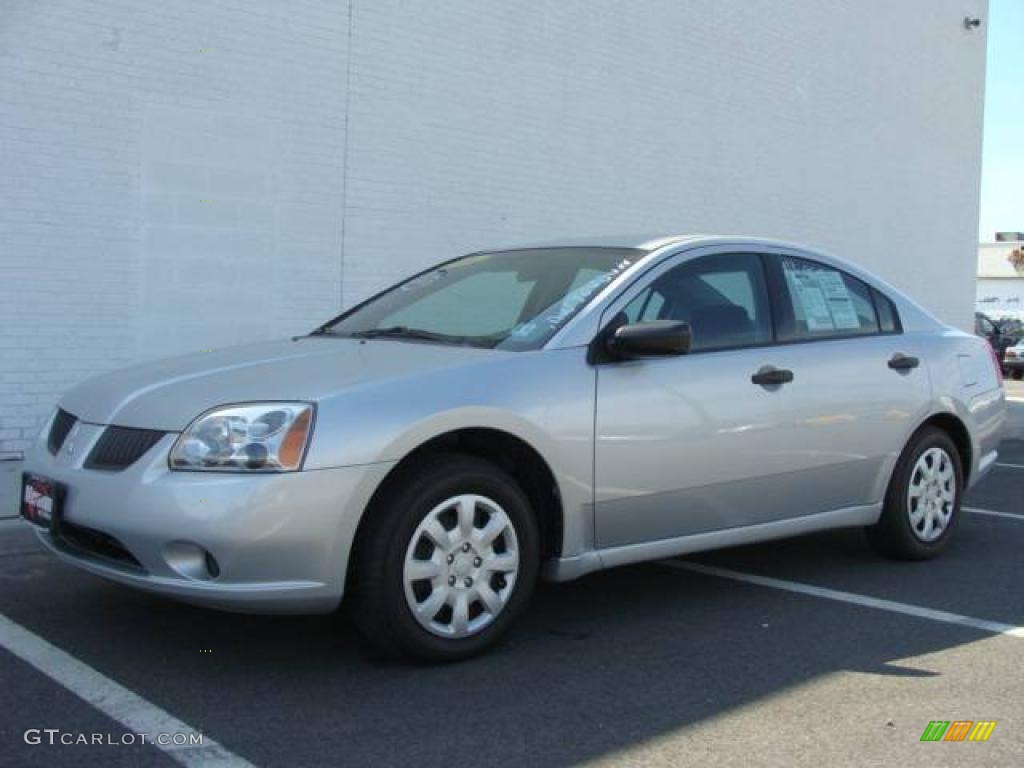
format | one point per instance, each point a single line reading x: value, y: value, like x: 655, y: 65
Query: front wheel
x: 449, y: 557
x: 922, y: 503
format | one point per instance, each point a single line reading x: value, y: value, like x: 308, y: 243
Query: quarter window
x: 824, y: 302
x: 888, y: 319
x: 722, y: 297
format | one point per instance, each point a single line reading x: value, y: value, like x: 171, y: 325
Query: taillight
x: 996, y: 363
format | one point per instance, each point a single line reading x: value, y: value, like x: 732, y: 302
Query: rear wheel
x: 448, y: 560
x: 922, y: 503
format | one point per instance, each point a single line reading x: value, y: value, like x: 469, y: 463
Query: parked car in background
x: 1011, y: 329
x: 987, y: 328
x: 552, y: 409
x: 1001, y: 334
x: 1014, y: 361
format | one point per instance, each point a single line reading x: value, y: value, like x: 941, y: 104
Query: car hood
x: 168, y: 394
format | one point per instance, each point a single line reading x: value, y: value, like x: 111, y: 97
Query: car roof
x: 655, y: 245
x: 643, y: 242
x: 912, y: 315
x: 653, y: 242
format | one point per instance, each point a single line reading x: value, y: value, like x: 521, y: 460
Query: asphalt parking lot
x: 809, y: 652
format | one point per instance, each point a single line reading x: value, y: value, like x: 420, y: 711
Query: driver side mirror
x: 654, y: 338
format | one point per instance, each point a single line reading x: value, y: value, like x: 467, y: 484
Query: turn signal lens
x: 294, y: 443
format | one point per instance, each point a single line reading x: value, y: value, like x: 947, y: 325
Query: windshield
x: 513, y: 300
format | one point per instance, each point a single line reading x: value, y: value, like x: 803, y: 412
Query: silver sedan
x: 552, y: 410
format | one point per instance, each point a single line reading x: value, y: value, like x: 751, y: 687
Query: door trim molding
x: 565, y: 569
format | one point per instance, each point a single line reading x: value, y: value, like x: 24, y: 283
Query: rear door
x: 858, y: 381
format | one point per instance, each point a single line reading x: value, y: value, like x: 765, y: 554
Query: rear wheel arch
x: 920, y: 510
x: 953, y: 426
x: 949, y: 423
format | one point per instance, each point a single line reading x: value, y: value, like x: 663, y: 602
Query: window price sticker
x: 823, y: 297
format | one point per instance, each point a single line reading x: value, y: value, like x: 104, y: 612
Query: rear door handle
x: 771, y: 375
x: 901, y: 362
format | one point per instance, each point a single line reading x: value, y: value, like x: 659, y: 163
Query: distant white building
x: 1001, y: 279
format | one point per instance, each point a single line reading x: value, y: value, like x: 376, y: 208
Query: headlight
x: 256, y: 437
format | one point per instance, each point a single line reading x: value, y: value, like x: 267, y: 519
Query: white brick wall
x: 849, y: 124
x: 116, y: 119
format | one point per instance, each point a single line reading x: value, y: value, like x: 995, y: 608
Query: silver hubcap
x: 461, y: 566
x: 932, y: 494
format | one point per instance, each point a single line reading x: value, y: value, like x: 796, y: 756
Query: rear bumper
x: 987, y: 415
x: 279, y: 543
x: 985, y: 465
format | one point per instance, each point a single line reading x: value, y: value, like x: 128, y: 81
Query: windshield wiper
x: 404, y: 332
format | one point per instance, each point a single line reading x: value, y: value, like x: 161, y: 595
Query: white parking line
x: 112, y: 699
x: 993, y: 513
x: 995, y: 627
x: 1009, y: 466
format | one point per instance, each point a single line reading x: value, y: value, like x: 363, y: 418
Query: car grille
x: 98, y: 544
x: 120, y: 447
x: 62, y: 424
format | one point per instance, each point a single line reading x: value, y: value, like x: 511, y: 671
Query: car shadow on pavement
x: 594, y: 667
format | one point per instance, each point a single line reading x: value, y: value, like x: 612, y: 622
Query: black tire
x: 1017, y: 374
x: 894, y: 535
x: 378, y: 604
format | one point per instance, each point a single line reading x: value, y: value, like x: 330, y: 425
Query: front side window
x: 824, y: 302
x: 513, y: 300
x: 723, y: 298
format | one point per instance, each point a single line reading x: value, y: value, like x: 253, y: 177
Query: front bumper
x: 280, y: 542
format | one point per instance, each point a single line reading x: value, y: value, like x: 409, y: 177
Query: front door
x: 691, y: 444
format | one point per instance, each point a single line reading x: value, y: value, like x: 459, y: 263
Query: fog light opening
x: 191, y: 561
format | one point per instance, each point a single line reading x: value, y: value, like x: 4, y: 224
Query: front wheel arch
x: 511, y: 453
x: 378, y: 602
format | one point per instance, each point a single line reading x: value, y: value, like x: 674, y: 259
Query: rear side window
x: 822, y: 302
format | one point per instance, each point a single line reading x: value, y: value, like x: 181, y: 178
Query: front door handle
x: 769, y: 375
x: 901, y: 362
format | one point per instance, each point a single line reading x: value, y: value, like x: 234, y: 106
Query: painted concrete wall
x: 186, y: 175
